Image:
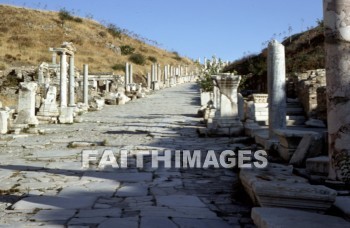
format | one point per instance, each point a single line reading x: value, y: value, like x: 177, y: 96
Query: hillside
x: 26, y: 35
x: 304, y: 51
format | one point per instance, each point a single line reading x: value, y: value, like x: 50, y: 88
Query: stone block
x: 287, y: 218
x: 276, y: 186
x: 318, y: 165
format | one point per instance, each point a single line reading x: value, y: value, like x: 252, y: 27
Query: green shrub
x: 119, y: 66
x: 114, y: 31
x: 78, y: 19
x: 127, y: 50
x: 138, y: 59
x: 65, y: 15
x: 152, y: 59
x: 176, y: 56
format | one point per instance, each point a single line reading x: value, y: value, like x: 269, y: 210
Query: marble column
x: 127, y: 74
x: 130, y: 74
x: 41, y: 79
x: 149, y: 81
x: 337, y: 46
x: 153, y: 73
x: 54, y: 58
x: 86, y: 85
x: 276, y: 77
x: 71, y: 82
x: 107, y: 86
x: 165, y: 73
x: 63, y: 80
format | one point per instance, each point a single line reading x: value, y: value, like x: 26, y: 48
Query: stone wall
x: 306, y: 85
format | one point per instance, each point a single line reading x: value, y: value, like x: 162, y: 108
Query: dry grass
x: 27, y: 34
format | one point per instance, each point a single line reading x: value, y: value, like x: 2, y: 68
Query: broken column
x: 276, y: 76
x: 86, y: 85
x: 226, y: 120
x: 71, y: 82
x: 337, y: 46
x: 26, y: 105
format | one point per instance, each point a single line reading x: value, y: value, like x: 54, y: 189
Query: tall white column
x: 71, y: 81
x: 337, y: 46
x: 276, y: 76
x: 130, y: 74
x: 165, y: 73
x: 156, y: 72
x: 153, y: 73
x: 149, y: 81
x: 127, y: 74
x: 86, y: 84
x: 63, y: 80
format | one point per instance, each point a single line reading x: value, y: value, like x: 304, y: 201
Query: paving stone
x: 48, y: 202
x: 179, y: 201
x: 178, y: 212
x: 207, y: 223
x: 119, y: 177
x: 53, y: 215
x: 343, y: 204
x: 87, y: 213
x: 119, y: 222
x: 128, y: 190
x: 156, y: 222
x: 87, y: 221
x: 288, y: 218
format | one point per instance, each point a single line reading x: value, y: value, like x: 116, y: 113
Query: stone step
x: 294, y: 105
x: 295, y: 111
x: 293, y: 120
x: 288, y: 218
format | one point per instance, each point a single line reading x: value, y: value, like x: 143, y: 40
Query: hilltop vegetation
x: 304, y: 51
x: 26, y: 35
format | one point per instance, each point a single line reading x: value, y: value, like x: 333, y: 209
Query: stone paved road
x: 43, y: 184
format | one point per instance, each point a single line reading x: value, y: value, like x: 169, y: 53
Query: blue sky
x: 228, y: 29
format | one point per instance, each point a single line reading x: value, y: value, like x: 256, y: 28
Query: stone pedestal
x: 337, y: 46
x: 4, y: 116
x: 226, y: 120
x: 276, y: 76
x: 66, y: 115
x: 155, y: 85
x: 26, y: 104
x: 205, y: 98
